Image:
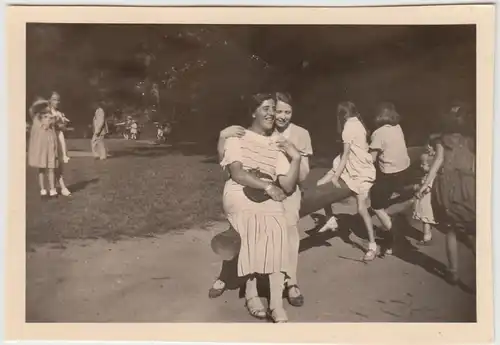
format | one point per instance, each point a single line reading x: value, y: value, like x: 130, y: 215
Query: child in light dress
x: 43, y: 150
x: 355, y: 167
x: 390, y: 154
x: 133, y: 130
x: 422, y: 210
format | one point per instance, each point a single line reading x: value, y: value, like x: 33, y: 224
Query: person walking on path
x: 100, y: 129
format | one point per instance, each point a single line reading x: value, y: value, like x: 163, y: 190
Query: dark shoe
x: 215, y: 292
x: 297, y: 301
x: 452, y: 278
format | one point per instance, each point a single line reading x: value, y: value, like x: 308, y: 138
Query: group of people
x: 47, y: 150
x: 266, y: 163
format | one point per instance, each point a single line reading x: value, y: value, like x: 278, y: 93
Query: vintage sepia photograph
x: 193, y: 172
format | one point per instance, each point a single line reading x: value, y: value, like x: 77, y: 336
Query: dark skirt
x: 454, y: 199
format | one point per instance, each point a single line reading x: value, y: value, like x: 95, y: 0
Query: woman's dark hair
x: 459, y: 119
x: 257, y: 99
x: 284, y: 97
x: 386, y: 114
x: 347, y: 110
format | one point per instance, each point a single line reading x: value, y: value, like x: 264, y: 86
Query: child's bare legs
x: 427, y: 232
x: 52, y: 184
x: 276, y: 285
x: 386, y: 221
x: 41, y: 181
x: 362, y: 201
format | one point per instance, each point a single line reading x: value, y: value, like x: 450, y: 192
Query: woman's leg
x: 276, y: 284
x: 253, y: 303
x: 295, y: 297
x: 427, y: 232
x: 452, y: 253
x: 362, y: 201
x: 60, y: 179
x: 384, y: 218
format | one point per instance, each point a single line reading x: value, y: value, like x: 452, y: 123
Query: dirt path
x: 166, y: 279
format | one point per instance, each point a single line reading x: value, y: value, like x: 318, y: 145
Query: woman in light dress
x: 60, y: 121
x: 262, y: 226
x: 355, y: 167
x: 301, y: 139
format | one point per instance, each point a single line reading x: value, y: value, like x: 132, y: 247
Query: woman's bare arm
x: 304, y: 168
x: 436, y: 165
x: 289, y: 181
x: 244, y: 178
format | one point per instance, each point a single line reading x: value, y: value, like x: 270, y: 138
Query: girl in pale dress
x: 355, y: 167
x: 422, y: 210
x: 261, y: 225
x: 60, y: 121
x: 42, y: 147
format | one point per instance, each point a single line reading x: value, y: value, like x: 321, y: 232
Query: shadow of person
x: 78, y: 186
x: 406, y: 251
x: 347, y: 224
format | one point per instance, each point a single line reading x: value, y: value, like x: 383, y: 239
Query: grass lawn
x: 143, y: 190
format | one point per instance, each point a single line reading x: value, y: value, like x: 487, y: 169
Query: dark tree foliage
x: 198, y: 77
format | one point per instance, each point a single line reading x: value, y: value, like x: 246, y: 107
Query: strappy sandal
x: 255, y: 308
x: 297, y: 301
x: 215, y: 292
x: 278, y: 315
x: 370, y: 255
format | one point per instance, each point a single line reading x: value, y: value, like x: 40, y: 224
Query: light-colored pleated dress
x: 43, y: 147
x: 262, y: 226
x: 359, y: 173
x: 422, y: 208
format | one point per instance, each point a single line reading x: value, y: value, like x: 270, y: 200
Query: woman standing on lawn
x: 262, y: 225
x: 60, y: 121
x: 301, y: 139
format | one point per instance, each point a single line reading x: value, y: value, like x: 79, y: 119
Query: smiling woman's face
x: 264, y: 115
x: 55, y: 100
x: 283, y: 114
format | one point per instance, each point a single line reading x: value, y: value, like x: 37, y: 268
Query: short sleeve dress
x: 43, y: 145
x: 301, y: 139
x: 422, y: 208
x: 454, y: 189
x: 261, y: 226
x: 359, y: 173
